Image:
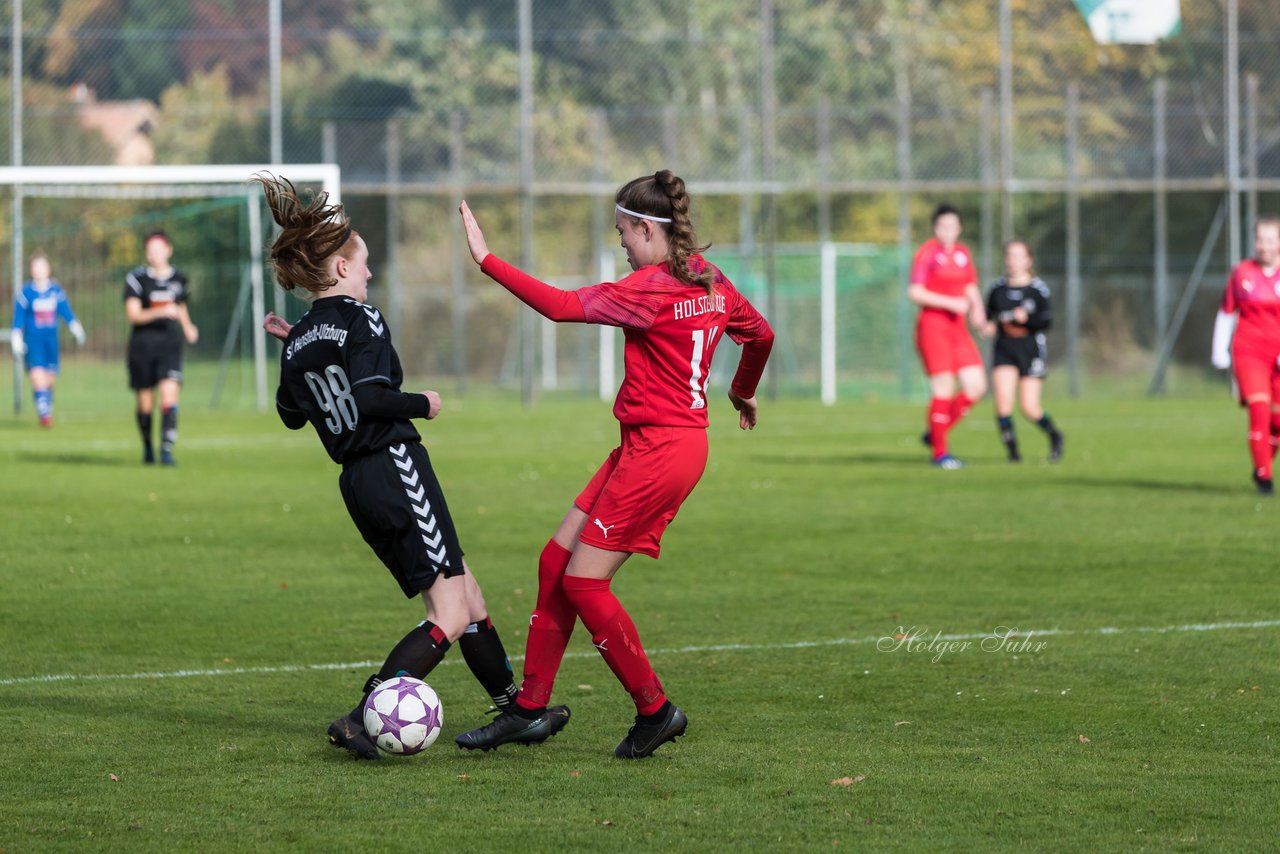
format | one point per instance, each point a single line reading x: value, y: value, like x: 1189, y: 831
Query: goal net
x: 92, y: 222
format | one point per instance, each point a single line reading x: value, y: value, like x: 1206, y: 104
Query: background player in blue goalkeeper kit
x: 1019, y: 312
x: 155, y: 303
x: 35, y: 332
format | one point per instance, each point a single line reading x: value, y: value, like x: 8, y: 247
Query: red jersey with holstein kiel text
x: 672, y: 330
x: 1256, y: 296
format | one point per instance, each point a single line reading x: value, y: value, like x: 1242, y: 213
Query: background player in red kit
x: 675, y: 308
x: 340, y: 373
x: 1253, y: 298
x: 944, y: 283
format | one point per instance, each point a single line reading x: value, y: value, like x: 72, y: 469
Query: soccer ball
x: 403, y: 715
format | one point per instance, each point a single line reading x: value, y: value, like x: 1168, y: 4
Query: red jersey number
x: 703, y: 344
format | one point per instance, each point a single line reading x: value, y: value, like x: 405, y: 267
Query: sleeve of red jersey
x: 551, y: 302
x: 749, y: 328
x: 632, y: 302
x: 1229, y: 295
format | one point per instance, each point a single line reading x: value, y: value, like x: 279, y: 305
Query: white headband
x: 621, y: 209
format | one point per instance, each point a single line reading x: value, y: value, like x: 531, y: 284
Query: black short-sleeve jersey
x: 338, y: 346
x: 1032, y: 297
x: 157, y: 292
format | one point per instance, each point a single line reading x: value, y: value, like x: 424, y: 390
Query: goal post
x: 166, y: 183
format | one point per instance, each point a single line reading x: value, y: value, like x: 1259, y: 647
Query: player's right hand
x: 433, y: 404
x: 276, y: 326
x: 1221, y: 361
x: 17, y: 345
x: 475, y: 237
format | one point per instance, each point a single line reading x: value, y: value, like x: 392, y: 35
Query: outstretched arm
x: 552, y: 303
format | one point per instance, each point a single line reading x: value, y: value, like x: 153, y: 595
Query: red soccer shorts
x: 945, y: 344
x: 1256, y: 373
x: 636, y: 492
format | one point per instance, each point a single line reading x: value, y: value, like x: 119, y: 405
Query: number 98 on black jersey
x: 338, y: 346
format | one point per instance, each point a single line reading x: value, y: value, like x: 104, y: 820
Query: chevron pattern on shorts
x: 432, y: 536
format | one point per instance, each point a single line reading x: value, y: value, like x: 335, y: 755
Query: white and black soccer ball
x: 403, y: 715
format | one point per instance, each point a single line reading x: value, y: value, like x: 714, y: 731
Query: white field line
x: 681, y: 650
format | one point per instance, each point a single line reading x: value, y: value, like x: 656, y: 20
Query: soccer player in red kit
x: 944, y: 283
x: 675, y: 308
x: 1251, y: 309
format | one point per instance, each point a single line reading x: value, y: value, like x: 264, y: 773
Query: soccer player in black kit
x: 340, y: 373
x: 155, y: 303
x: 1020, y: 314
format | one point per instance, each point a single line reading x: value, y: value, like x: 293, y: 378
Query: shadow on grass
x: 74, y: 459
x: 1243, y: 490
x: 918, y: 459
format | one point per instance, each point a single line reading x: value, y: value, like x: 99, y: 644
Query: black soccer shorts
x: 1027, y: 354
x: 153, y: 357
x: 396, y: 502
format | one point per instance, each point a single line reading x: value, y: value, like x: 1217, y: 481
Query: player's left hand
x: 433, y: 403
x: 192, y: 332
x: 77, y: 332
x: 276, y: 326
x: 475, y: 237
x: 747, y: 410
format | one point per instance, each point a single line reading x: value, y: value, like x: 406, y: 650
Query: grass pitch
x: 831, y: 612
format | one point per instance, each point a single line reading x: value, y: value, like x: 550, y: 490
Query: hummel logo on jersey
x: 602, y: 643
x: 375, y: 320
x: 605, y: 528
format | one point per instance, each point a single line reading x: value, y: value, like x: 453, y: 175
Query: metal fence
x: 1133, y: 171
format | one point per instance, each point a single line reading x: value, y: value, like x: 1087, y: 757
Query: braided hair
x: 663, y: 194
x: 311, y: 233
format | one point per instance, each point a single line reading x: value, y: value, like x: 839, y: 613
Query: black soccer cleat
x: 350, y: 735
x: 1014, y: 455
x: 1265, y: 485
x: 1055, y: 447
x: 509, y: 727
x: 148, y: 455
x: 644, y: 738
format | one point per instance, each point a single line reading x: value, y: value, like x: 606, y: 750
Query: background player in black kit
x: 1019, y: 312
x: 340, y: 373
x: 155, y: 303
